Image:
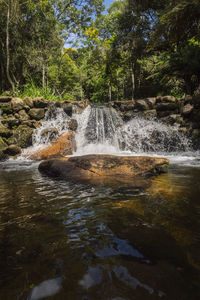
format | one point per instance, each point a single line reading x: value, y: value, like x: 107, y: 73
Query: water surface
x: 62, y: 240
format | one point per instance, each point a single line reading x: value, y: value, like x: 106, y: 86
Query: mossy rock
x: 22, y: 136
x: 4, y: 99
x: 11, y: 122
x: 12, y: 150
x: 37, y: 113
x: 5, y: 132
x: 2, y: 144
x: 3, y: 156
x: 5, y: 108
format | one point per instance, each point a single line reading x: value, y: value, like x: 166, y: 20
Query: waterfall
x: 143, y: 136
x: 101, y: 130
x: 54, y: 124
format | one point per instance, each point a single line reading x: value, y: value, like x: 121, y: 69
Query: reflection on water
x: 46, y: 288
x: 74, y: 241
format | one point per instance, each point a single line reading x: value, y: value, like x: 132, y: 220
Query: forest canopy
x: 74, y: 50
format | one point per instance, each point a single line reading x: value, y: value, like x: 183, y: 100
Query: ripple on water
x: 114, y: 242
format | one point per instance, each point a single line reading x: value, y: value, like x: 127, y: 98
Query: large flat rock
x: 104, y: 167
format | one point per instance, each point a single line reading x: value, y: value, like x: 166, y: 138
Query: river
x: 72, y: 241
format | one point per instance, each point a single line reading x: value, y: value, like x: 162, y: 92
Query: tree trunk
x: 110, y: 92
x: 133, y: 80
x: 124, y: 94
x: 81, y: 86
x: 43, y: 76
x: 2, y: 76
x: 7, y: 50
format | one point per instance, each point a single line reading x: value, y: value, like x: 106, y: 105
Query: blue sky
x: 107, y: 3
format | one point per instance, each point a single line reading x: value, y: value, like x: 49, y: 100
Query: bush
x: 33, y: 91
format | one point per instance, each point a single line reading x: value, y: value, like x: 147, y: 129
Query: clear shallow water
x: 61, y: 240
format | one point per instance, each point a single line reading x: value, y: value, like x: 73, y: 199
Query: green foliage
x: 139, y: 48
x: 32, y: 37
x: 33, y: 91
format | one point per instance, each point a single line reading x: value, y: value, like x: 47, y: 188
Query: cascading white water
x: 101, y: 130
x: 142, y: 135
x: 98, y: 130
x: 54, y: 124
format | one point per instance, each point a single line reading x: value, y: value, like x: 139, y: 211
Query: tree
x: 32, y: 34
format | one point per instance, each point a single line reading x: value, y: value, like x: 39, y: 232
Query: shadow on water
x: 61, y: 240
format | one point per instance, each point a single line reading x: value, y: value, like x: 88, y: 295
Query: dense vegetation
x: 139, y: 48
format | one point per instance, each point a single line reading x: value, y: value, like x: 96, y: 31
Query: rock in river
x: 97, y: 167
x: 64, y: 145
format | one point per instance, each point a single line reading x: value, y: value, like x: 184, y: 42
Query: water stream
x: 62, y: 240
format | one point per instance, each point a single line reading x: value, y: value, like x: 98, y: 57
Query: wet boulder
x: 108, y: 167
x: 67, y: 107
x: 73, y: 125
x: 127, y: 116
x: 64, y: 145
x: 12, y: 150
x: 50, y: 133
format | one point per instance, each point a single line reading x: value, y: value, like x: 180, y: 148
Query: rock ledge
x: 96, y: 166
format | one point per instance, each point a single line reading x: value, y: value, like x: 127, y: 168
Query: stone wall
x: 19, y: 117
x: 184, y: 112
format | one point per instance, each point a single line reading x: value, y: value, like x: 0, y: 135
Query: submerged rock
x: 109, y: 167
x: 65, y: 145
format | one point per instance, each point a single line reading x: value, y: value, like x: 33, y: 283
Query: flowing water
x: 101, y: 130
x: 64, y: 240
